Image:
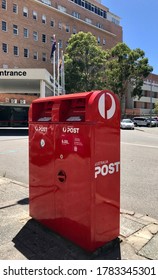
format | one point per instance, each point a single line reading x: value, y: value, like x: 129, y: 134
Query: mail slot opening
x: 73, y: 110
x: 42, y: 112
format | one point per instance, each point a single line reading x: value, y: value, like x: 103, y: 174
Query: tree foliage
x: 89, y: 67
x: 156, y: 108
x: 84, y: 63
x: 126, y: 67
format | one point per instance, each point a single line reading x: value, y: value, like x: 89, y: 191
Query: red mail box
x: 74, y: 166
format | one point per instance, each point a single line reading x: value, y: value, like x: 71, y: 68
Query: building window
x: 26, y: 33
x: 44, y: 57
x: 35, y: 36
x: 94, y: 9
x: 34, y: 15
x: 26, y: 53
x: 52, y: 23
x: 99, y: 25
x: 74, y: 30
x: 60, y: 25
x: 104, y: 41
x: 67, y: 28
x: 44, y: 38
x: 60, y: 44
x: 98, y: 40
x: 35, y: 55
x: 47, y: 2
x: 4, y: 47
x: 77, y: 15
x: 4, y: 26
x: 44, y: 19
x: 116, y: 21
x: 4, y: 4
x: 15, y: 8
x: 16, y: 50
x: 15, y: 29
x: 61, y: 8
x: 25, y: 12
x: 88, y: 20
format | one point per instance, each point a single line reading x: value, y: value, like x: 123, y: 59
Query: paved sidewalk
x: 23, y: 238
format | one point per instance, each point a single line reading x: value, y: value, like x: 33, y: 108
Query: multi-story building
x: 144, y: 105
x: 28, y: 26
x: 27, y: 30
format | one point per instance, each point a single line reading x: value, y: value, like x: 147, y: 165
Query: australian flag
x: 53, y: 48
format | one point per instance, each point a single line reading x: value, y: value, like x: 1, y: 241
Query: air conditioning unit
x: 14, y: 101
x: 22, y: 101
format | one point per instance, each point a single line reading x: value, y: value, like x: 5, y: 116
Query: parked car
x: 156, y: 120
x: 143, y: 121
x: 127, y: 124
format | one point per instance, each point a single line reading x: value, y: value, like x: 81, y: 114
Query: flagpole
x: 63, y: 74
x: 54, y: 70
x: 58, y: 69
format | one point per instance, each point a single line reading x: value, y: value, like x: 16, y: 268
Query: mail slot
x: 74, y: 166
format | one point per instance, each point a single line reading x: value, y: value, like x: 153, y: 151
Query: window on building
x: 34, y: 15
x: 75, y: 14
x: 44, y: 57
x: 88, y: 20
x: 44, y: 38
x: 25, y: 12
x: 15, y: 8
x: 99, y: 25
x: 98, y: 40
x: 104, y: 41
x: 35, y: 55
x: 67, y: 28
x: 91, y: 7
x: 4, y: 25
x: 74, y: 30
x: 52, y: 23
x: 16, y: 50
x: 61, y: 8
x: 35, y: 35
x: 82, y: 3
x: 15, y: 29
x: 60, y: 44
x: 26, y: 53
x: 60, y: 25
x: 116, y: 21
x: 47, y: 2
x: 26, y: 33
x: 44, y: 19
x: 4, y: 4
x: 4, y: 47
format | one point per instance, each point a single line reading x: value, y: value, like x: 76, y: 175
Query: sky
x: 139, y: 19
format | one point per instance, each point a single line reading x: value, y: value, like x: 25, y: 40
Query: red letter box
x: 74, y: 166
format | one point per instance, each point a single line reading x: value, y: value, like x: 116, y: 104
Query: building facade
x: 28, y: 26
x: 144, y: 105
x: 27, y: 31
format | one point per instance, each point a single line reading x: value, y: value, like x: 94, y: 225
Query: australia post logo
x: 106, y: 113
x: 104, y: 168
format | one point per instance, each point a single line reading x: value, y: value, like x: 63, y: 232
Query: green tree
x: 84, y: 63
x: 156, y: 108
x: 126, y: 67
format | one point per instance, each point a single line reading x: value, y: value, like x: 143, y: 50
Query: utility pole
x: 151, y: 105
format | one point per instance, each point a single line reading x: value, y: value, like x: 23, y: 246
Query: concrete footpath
x: 23, y: 238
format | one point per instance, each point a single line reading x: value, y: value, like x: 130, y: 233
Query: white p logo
x: 102, y: 103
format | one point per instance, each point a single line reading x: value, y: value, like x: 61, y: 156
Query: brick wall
x: 6, y: 98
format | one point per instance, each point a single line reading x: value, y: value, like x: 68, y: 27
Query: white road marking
x: 140, y: 145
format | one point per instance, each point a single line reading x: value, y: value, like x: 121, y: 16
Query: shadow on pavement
x: 13, y: 131
x: 37, y: 242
